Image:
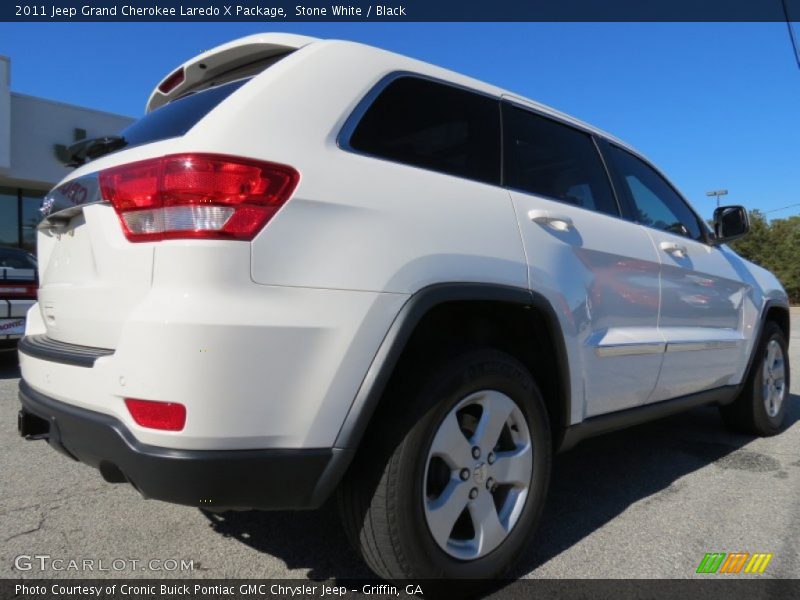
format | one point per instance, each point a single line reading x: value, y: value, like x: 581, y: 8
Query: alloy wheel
x: 773, y: 378
x: 477, y: 474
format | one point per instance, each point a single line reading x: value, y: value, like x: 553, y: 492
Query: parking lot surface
x: 647, y: 502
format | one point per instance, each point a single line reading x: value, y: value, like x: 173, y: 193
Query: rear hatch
x: 92, y: 276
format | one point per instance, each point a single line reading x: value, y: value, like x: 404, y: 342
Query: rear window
x: 550, y: 159
x: 179, y: 116
x: 434, y: 126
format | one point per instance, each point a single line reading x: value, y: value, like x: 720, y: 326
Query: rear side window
x: 434, y: 126
x: 179, y: 116
x: 547, y: 158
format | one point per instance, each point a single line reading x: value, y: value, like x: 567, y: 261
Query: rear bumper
x: 255, y: 366
x: 267, y: 479
x: 41, y: 346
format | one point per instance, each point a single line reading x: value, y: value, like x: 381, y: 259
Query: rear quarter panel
x: 357, y: 222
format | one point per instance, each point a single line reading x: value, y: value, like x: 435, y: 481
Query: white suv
x: 316, y: 266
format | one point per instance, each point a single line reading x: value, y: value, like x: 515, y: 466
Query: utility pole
x: 717, y: 193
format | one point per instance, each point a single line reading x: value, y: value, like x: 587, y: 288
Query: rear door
x: 599, y: 271
x: 703, y: 298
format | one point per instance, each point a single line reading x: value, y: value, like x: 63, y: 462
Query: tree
x: 775, y: 245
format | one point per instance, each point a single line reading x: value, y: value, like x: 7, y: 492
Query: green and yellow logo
x: 735, y: 562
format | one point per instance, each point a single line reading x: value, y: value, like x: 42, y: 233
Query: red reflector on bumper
x: 167, y: 416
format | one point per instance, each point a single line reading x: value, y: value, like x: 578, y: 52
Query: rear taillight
x: 167, y: 416
x: 196, y: 196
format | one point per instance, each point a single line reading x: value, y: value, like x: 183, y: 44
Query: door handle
x: 551, y: 220
x: 678, y: 250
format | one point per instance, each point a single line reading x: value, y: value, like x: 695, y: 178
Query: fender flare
x: 769, y: 304
x: 416, y: 307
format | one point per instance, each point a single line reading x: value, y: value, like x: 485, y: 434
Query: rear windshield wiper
x: 86, y: 150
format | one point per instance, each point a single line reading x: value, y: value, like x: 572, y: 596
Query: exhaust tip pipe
x: 32, y: 427
x: 111, y: 472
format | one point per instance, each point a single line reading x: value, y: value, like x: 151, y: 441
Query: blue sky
x: 715, y: 105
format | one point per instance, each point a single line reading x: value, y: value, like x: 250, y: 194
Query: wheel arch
x: 499, y: 306
x: 773, y: 310
x: 778, y: 312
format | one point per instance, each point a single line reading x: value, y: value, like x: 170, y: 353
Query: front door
x: 704, y: 301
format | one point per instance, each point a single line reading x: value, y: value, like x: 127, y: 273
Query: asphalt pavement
x: 647, y: 502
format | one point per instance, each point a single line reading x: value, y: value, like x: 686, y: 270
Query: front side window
x: 439, y: 127
x: 654, y: 202
x: 546, y: 158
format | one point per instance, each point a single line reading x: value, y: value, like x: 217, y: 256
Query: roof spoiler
x: 225, y: 59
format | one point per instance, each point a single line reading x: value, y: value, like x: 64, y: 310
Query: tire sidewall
x: 762, y: 418
x: 481, y: 370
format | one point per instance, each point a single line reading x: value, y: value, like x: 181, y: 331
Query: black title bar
x: 711, y: 587
x: 400, y: 10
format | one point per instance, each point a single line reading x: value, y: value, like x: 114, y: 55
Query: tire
x: 755, y: 411
x: 390, y: 497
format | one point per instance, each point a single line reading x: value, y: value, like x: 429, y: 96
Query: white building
x: 33, y: 133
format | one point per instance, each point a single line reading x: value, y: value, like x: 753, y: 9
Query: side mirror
x: 730, y: 223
